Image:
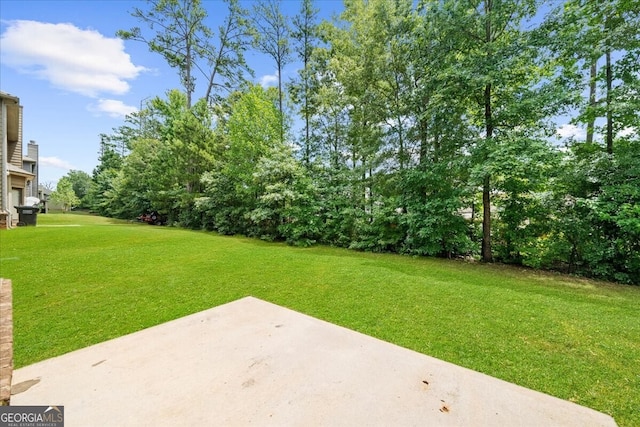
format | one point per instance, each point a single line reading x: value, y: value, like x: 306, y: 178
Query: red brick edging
x: 6, y: 341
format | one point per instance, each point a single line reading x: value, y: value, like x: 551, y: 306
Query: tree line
x: 423, y: 128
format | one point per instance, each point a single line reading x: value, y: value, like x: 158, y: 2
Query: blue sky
x: 76, y: 80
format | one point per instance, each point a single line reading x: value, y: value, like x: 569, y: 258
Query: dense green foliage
x: 81, y: 184
x: 101, y: 278
x: 425, y: 128
x: 65, y: 194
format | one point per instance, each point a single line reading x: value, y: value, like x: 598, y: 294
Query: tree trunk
x: 216, y: 64
x: 487, y: 255
x: 609, y: 109
x: 307, y: 124
x: 423, y: 132
x: 280, y: 101
x: 307, y: 138
x: 592, y: 101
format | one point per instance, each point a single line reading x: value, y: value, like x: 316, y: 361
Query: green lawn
x: 78, y: 285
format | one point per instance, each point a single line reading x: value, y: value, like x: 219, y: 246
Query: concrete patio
x: 251, y: 362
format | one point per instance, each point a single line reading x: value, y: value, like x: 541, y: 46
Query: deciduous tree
x: 65, y: 195
x: 180, y: 34
x: 272, y: 33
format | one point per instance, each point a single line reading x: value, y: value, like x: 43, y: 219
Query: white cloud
x: 628, y: 132
x: 55, y: 162
x: 571, y: 131
x: 73, y: 59
x: 112, y: 107
x: 269, y: 80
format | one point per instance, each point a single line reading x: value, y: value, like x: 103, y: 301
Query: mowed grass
x: 79, y: 280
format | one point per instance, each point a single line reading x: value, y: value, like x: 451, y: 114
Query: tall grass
x: 79, y: 280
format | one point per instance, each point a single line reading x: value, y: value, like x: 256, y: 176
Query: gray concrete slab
x: 250, y: 362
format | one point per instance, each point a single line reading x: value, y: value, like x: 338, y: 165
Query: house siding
x: 31, y: 165
x: 14, y: 147
x: 3, y: 142
x: 4, y: 181
x: 13, y: 181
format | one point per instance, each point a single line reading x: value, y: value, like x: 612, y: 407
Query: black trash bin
x: 27, y: 215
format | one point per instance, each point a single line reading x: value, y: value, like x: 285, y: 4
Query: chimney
x: 32, y: 153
